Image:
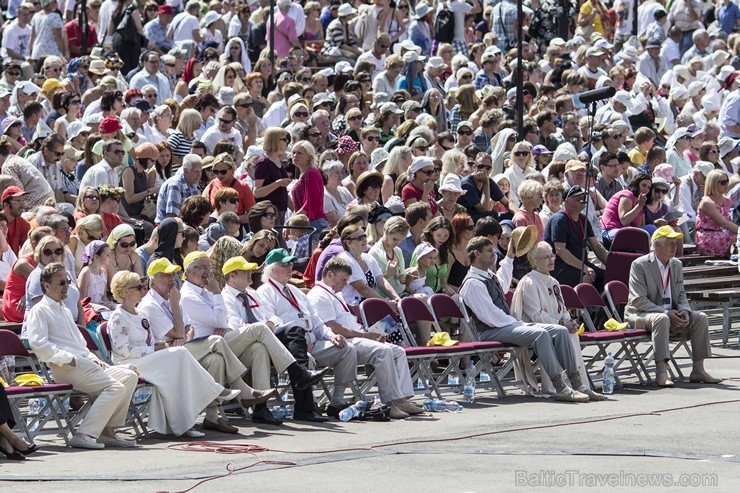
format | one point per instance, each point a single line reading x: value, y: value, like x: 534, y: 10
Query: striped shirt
x: 172, y: 194
x: 179, y: 143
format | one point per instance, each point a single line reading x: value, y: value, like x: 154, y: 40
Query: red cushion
x: 601, y: 335
x: 635, y: 333
x: 18, y: 390
x: 52, y: 387
x: 458, y: 348
x: 420, y: 350
x: 488, y: 345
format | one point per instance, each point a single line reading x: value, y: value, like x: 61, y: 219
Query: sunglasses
x: 482, y: 167
x: 365, y: 81
x: 221, y: 172
x: 285, y: 139
x: 464, y: 132
x: 660, y: 190
x: 140, y: 287
x: 301, y: 114
x: 53, y: 69
x: 224, y: 121
x: 521, y: 153
x: 355, y: 118
x: 49, y: 252
x: 119, y: 152
x: 373, y: 139
x: 66, y: 282
x: 724, y: 182
x: 428, y: 172
x: 270, y: 215
x: 466, y: 77
x: 511, y: 139
x: 14, y: 73
x: 359, y: 238
x: 233, y: 200
x: 422, y: 148
x: 169, y: 65
x: 245, y: 105
x: 123, y: 244
x: 92, y: 197
x: 315, y: 134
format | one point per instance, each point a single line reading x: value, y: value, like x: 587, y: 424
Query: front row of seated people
x: 190, y: 345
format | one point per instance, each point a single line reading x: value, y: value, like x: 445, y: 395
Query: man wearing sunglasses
x: 151, y: 75
x: 464, y: 134
x: 223, y: 130
x: 377, y: 55
x: 18, y: 228
x: 103, y: 173
x: 56, y: 340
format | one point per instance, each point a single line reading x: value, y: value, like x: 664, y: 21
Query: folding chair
x: 618, y: 266
x: 443, y: 306
x: 54, y: 395
x: 415, y: 310
x: 631, y: 239
x: 602, y: 339
x: 373, y: 310
x: 137, y: 411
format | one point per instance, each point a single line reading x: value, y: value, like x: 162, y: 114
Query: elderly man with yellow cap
x: 658, y: 303
x: 162, y: 306
x: 253, y: 340
x: 297, y: 322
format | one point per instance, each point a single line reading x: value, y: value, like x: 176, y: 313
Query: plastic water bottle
x: 352, y: 411
x: 279, y: 412
x: 440, y: 405
x: 419, y: 384
x: 453, y: 379
x: 469, y: 388
x: 34, y: 409
x: 484, y: 377
x: 141, y: 395
x: 289, y: 411
x: 607, y: 383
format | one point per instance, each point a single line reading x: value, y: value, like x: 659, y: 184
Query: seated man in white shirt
x: 392, y: 367
x: 484, y: 295
x: 256, y: 339
x: 161, y: 306
x: 56, y: 340
x: 294, y: 313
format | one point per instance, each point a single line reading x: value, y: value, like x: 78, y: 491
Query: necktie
x: 245, y: 301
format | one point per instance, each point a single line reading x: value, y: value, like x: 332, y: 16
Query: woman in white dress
x: 538, y: 299
x: 182, y: 388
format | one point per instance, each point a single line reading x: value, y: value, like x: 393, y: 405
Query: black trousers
x: 294, y: 339
x: 6, y: 414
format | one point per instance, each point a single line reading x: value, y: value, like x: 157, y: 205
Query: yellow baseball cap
x: 237, y: 263
x: 161, y: 266
x: 192, y: 257
x: 666, y: 232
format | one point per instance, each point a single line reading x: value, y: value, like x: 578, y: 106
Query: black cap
x: 573, y: 191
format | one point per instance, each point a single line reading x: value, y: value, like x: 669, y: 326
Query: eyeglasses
x: 224, y: 121
x: 301, y: 114
x: 245, y: 105
x: 521, y: 153
x: 270, y: 215
x: 428, y: 172
x: 92, y: 197
x: 724, y: 182
x: 233, y: 200
x: 285, y: 139
x: 464, y: 132
x: 358, y: 238
x: 372, y: 139
x: 123, y: 244
x: 222, y: 172
x: 660, y: 190
x: 65, y: 282
x: 482, y: 167
x: 49, y: 252
x: 315, y: 134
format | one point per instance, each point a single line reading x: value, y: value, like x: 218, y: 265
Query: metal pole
x: 83, y: 25
x: 272, y: 34
x: 634, y: 17
x: 519, y: 71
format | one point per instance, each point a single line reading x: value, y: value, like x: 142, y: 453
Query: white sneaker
x: 117, y: 442
x: 233, y: 394
x: 84, y: 441
x: 193, y: 433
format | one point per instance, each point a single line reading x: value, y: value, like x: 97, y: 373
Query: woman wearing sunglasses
x: 138, y: 185
x: 49, y: 250
x: 87, y: 229
x: 657, y: 207
x: 520, y: 165
x: 715, y: 232
x: 223, y: 170
x: 122, y: 241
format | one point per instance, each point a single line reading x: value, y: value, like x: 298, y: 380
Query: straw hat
x: 524, y: 239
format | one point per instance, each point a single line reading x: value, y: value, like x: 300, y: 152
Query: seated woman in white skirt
x: 182, y: 388
x: 538, y: 299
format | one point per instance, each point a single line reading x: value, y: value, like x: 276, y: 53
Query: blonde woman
x: 398, y: 162
x: 715, y: 232
x: 308, y: 191
x: 88, y: 228
x: 521, y: 165
x: 181, y: 140
x: 456, y: 162
x: 270, y: 178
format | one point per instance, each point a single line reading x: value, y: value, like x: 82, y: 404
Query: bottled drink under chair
x: 607, y: 382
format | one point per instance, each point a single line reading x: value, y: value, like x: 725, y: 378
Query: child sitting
x: 93, y: 280
x: 426, y: 256
x: 297, y: 235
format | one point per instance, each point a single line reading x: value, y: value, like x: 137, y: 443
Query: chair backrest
x: 414, y: 310
x: 105, y: 336
x: 596, y: 312
x: 571, y: 298
x: 632, y: 240
x: 11, y: 345
x: 618, y: 265
x: 443, y: 306
x: 590, y: 296
x: 89, y: 341
x: 374, y: 309
x: 616, y: 294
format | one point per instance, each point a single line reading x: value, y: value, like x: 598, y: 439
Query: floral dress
x: 45, y: 44
x: 711, y: 238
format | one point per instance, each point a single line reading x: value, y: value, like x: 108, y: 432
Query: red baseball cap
x: 166, y: 9
x: 12, y: 191
x: 109, y: 125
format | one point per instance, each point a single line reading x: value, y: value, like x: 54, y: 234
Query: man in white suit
x: 658, y: 302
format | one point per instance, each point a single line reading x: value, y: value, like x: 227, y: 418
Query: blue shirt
x: 727, y: 15
x: 156, y: 33
x: 173, y: 193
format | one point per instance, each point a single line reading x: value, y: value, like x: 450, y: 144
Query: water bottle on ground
x: 419, y: 384
x: 607, y: 383
x: 440, y: 405
x: 484, y: 377
x: 279, y: 412
x: 469, y: 388
x: 453, y: 379
x: 352, y: 411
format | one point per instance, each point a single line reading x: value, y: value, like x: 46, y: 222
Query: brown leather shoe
x: 703, y: 377
x: 258, y: 397
x: 221, y: 426
x: 663, y: 380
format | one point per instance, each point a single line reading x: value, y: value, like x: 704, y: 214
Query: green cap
x: 280, y: 255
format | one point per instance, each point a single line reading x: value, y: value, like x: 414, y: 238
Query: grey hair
x: 56, y: 220
x: 267, y: 273
x: 318, y: 113
x: 538, y: 248
x: 129, y: 112
x: 424, y: 132
x: 191, y: 160
x: 331, y: 165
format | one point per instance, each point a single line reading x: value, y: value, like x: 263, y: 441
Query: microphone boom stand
x: 587, y: 197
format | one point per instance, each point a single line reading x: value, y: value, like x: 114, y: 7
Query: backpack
x: 126, y: 28
x: 444, y: 25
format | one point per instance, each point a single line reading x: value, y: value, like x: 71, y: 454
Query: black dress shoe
x: 335, y: 410
x: 265, y: 416
x: 309, y: 416
x: 309, y: 379
x: 31, y: 449
x: 14, y: 455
